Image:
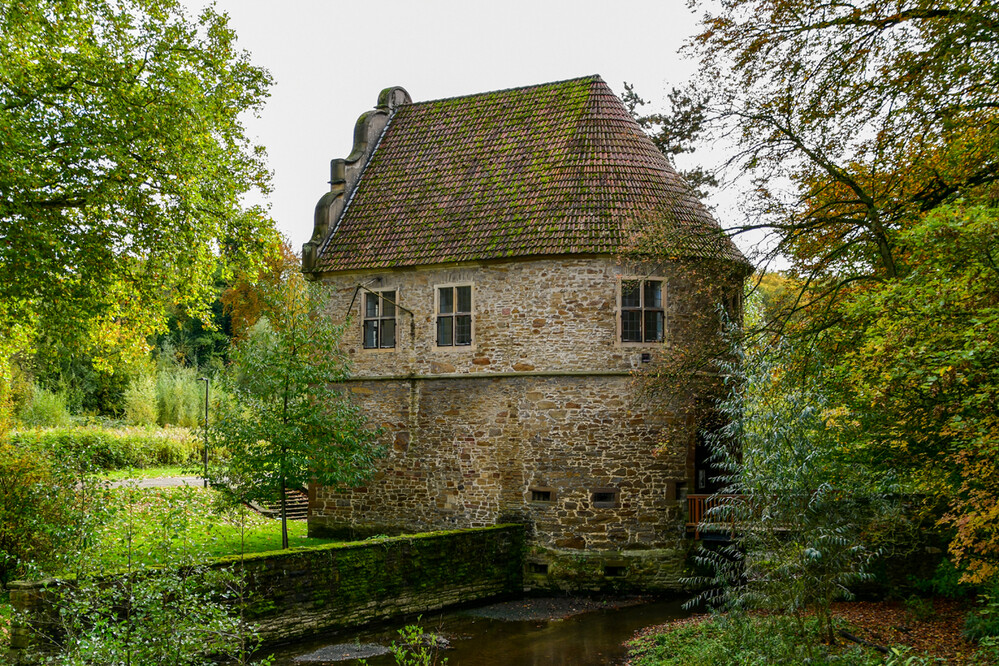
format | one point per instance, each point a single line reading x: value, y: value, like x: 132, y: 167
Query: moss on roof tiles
x: 548, y: 169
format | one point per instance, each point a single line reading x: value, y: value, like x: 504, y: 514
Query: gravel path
x: 162, y: 482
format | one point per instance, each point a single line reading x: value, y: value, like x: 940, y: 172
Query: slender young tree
x: 289, y: 419
x: 801, y: 514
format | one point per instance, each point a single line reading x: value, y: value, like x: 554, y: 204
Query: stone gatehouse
x: 487, y: 249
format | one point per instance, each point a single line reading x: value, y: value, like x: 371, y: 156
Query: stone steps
x: 296, y: 506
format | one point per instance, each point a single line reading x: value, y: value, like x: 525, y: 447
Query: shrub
x: 173, y: 450
x: 88, y: 449
x: 722, y: 640
x: 141, y: 403
x: 6, y: 406
x: 183, y: 611
x: 901, y: 655
x: 919, y: 609
x: 982, y: 624
x: 418, y: 648
x: 175, y: 615
x: 13, y: 391
x: 45, y: 409
x: 946, y: 582
x: 35, y: 508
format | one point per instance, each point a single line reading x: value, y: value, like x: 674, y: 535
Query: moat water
x: 529, y: 632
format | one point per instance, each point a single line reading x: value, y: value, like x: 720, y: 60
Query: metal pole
x: 205, y: 479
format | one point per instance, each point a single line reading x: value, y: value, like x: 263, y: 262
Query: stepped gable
x: 552, y: 169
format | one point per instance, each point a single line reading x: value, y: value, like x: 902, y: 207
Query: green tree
x: 289, y: 419
x: 917, y: 367
x: 675, y: 131
x: 122, y: 167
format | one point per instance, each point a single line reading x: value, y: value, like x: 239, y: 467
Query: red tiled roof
x: 557, y: 168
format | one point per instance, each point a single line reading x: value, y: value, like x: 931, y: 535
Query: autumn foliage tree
x: 867, y: 138
x: 247, y: 299
x: 852, y: 120
x: 918, y: 370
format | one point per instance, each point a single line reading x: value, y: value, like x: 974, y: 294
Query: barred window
x: 542, y: 495
x: 379, y: 320
x: 642, y: 316
x: 454, y: 316
x: 605, y: 498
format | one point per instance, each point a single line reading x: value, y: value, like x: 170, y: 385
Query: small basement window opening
x: 537, y: 568
x: 604, y: 498
x: 615, y: 570
x: 544, y: 495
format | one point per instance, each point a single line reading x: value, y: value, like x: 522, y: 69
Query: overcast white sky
x: 330, y: 59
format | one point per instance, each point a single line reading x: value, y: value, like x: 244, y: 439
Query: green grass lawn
x: 155, y: 526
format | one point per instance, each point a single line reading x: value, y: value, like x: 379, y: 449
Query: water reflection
x: 589, y: 639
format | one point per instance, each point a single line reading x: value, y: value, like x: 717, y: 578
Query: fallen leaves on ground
x: 936, y: 631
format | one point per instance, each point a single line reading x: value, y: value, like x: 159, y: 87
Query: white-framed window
x: 378, y: 327
x: 454, y: 315
x: 643, y: 317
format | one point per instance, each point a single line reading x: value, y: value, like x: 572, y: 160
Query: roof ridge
x: 591, y: 77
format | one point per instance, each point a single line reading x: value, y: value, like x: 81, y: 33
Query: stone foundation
x: 540, y: 451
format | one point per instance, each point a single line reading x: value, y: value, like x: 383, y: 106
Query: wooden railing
x: 699, y: 505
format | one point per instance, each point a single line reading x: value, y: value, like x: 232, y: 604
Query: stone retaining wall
x: 301, y: 592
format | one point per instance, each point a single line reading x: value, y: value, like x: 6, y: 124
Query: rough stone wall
x: 542, y: 399
x: 468, y: 451
x: 299, y: 593
x: 546, y: 315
